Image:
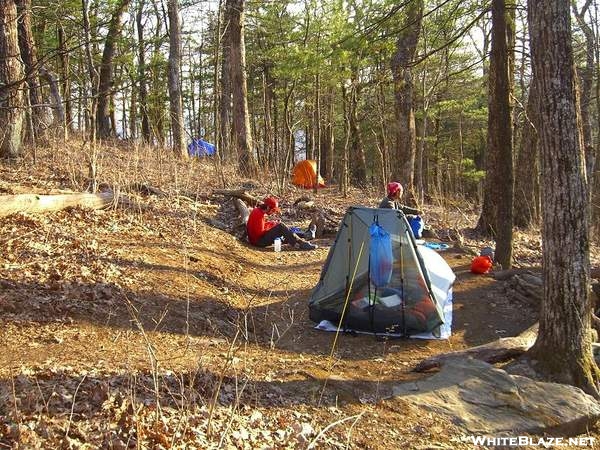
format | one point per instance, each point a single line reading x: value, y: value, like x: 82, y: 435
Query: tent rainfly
x: 415, y: 292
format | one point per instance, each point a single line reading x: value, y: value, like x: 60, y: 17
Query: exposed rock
x: 485, y: 400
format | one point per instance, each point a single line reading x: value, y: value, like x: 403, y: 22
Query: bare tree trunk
x: 29, y: 57
x: 217, y: 88
x: 143, y: 87
x: 224, y: 137
x: 358, y: 165
x: 113, y: 117
x: 587, y: 82
x: 343, y: 170
x: 268, y: 123
x: 328, y: 138
x: 527, y: 179
x: 383, y: 136
x: 65, y: 80
x: 406, y: 45
x: 241, y: 119
x: 124, y: 123
x: 497, y: 213
x: 91, y: 102
x: 317, y: 127
x: 58, y: 110
x: 156, y: 108
x: 175, y: 102
x: 104, y: 129
x: 133, y: 107
x: 563, y: 348
x: 11, y: 79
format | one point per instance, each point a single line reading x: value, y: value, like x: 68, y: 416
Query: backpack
x: 481, y: 264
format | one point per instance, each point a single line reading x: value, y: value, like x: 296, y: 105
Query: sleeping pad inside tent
x: 410, y: 296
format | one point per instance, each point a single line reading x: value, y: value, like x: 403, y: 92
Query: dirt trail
x: 107, y: 295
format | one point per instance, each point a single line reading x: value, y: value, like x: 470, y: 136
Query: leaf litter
x: 153, y: 329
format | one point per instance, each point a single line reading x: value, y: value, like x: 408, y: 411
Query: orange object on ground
x: 481, y: 264
x: 305, y: 174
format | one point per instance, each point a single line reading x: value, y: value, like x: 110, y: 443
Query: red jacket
x: 257, y: 225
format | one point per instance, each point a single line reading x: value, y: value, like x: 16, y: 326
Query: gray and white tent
x: 411, y: 303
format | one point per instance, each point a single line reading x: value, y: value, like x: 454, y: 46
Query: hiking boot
x: 303, y: 245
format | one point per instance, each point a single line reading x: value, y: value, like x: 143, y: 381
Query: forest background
x: 438, y: 95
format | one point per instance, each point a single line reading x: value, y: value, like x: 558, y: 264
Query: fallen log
x: 522, y: 298
x: 146, y: 189
x: 34, y: 203
x: 242, y: 209
x: 238, y: 193
x: 305, y: 205
x: 533, y: 292
x: 502, y: 275
x: 501, y: 350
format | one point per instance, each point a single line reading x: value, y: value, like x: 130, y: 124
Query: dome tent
x: 304, y: 174
x: 413, y: 301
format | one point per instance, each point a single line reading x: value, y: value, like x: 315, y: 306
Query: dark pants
x: 275, y: 232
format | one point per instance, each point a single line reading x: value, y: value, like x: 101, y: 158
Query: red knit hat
x: 394, y: 187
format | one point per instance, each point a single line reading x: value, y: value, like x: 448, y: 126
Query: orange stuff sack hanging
x: 481, y: 264
x: 305, y: 174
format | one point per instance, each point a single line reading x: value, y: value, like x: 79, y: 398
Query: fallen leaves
x: 62, y: 407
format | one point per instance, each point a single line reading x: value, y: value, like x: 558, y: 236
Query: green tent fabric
x: 410, y: 304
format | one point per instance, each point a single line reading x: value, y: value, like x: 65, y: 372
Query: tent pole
x: 348, y: 281
x: 402, y: 291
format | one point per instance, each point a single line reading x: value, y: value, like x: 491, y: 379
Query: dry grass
x: 150, y: 328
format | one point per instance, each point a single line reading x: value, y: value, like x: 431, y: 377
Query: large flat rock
x: 485, y: 400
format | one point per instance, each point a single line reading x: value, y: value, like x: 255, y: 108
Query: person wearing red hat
x: 392, y: 199
x: 262, y: 232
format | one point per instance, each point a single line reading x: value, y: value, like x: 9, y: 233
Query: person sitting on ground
x: 262, y: 232
x: 392, y: 199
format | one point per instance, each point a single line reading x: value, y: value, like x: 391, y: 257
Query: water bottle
x: 277, y: 244
x: 312, y: 230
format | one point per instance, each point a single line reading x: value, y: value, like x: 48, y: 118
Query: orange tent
x: 304, y: 174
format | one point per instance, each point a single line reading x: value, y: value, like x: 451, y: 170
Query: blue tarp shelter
x: 199, y: 147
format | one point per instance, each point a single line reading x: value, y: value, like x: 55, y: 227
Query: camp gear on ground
x: 277, y: 244
x: 309, y: 234
x: 436, y: 245
x: 481, y: 264
x: 393, y: 188
x: 304, y: 175
x: 303, y: 245
x: 417, y: 225
x: 487, y: 251
x: 420, y: 278
x: 272, y: 205
x: 380, y: 256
